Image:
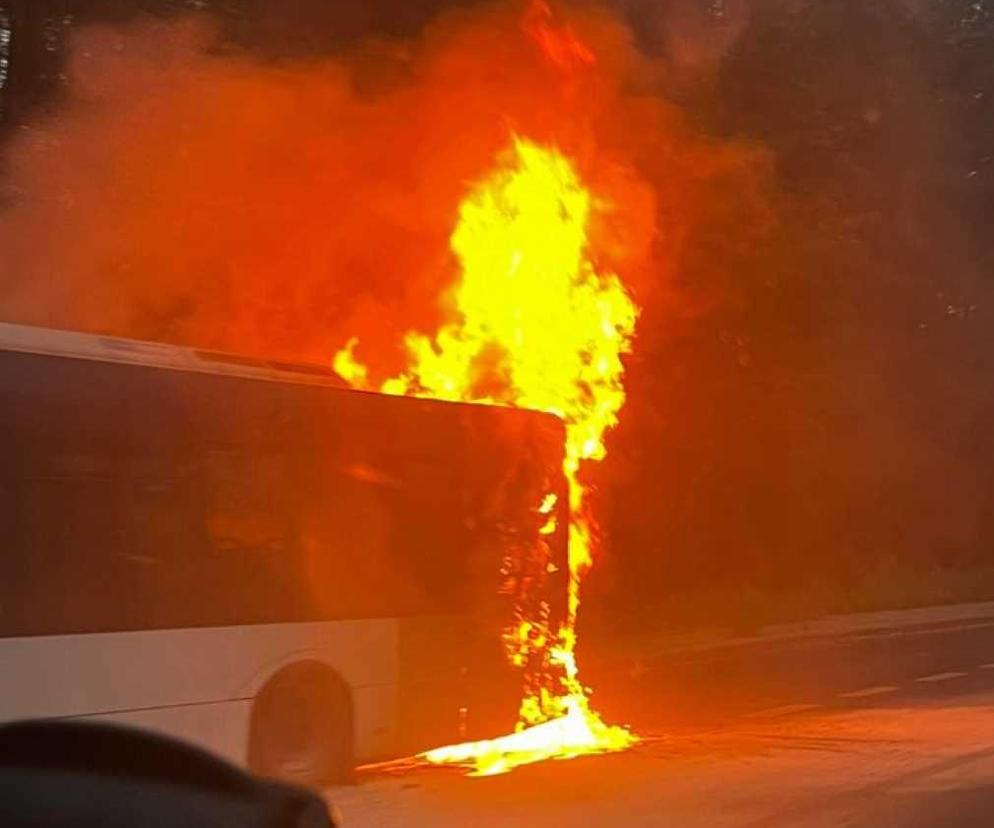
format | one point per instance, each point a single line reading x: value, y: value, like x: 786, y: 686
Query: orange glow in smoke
x: 536, y: 326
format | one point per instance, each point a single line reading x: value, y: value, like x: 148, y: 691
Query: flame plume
x: 531, y: 303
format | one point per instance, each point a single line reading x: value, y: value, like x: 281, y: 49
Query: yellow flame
x: 537, y: 327
x: 348, y: 367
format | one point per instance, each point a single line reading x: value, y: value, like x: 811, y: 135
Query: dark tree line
x: 826, y: 440
x: 40, y: 29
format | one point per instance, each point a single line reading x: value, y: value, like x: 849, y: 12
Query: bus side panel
x: 219, y: 727
x: 121, y: 673
x: 454, y: 684
x: 376, y: 728
x: 223, y: 727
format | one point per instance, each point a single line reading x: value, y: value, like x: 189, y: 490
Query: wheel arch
x: 303, y: 686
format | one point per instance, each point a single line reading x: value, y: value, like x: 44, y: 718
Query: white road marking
x: 910, y: 633
x: 783, y: 710
x: 987, y: 666
x: 940, y: 677
x: 868, y: 691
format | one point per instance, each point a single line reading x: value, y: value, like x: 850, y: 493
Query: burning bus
x: 248, y: 555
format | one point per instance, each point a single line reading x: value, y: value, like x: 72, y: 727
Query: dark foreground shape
x: 74, y: 775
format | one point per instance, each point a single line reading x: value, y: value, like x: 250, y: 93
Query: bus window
x: 213, y: 501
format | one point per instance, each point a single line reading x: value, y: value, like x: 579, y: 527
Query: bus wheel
x: 301, y: 726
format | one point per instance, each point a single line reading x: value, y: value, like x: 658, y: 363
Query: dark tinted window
x: 139, y: 498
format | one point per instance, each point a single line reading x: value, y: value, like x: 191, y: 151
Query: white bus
x: 248, y: 556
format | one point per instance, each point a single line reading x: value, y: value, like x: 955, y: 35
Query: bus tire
x: 301, y: 726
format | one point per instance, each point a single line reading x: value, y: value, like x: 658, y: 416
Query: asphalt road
x: 874, y: 729
x: 716, y: 684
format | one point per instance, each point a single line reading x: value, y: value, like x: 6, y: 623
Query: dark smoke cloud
x: 192, y: 192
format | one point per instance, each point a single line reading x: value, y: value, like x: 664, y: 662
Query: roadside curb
x: 864, y: 624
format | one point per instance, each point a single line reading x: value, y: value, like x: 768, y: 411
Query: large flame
x: 536, y: 326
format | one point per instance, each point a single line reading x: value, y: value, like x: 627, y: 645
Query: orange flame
x: 537, y: 327
x: 558, y: 43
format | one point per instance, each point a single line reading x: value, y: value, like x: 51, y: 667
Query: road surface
x: 878, y: 729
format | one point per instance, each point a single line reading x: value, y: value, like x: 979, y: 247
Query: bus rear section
x: 293, y: 574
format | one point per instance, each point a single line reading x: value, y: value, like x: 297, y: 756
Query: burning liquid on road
x: 537, y: 326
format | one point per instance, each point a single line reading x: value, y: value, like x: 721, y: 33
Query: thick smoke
x: 809, y: 415
x: 193, y: 193
x: 195, y: 188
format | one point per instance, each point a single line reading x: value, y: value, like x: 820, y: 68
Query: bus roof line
x: 99, y: 348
